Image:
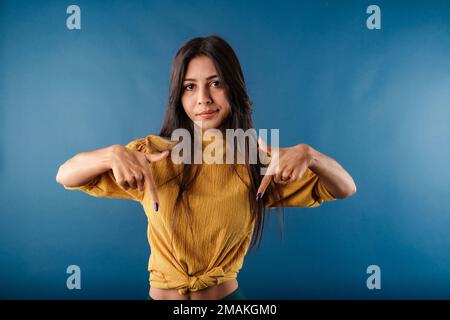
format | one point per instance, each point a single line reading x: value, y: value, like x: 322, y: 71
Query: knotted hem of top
x: 191, y: 283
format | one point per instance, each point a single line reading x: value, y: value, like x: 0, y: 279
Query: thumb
x: 264, y: 147
x: 157, y: 156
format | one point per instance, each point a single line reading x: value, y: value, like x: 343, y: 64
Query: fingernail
x: 258, y: 196
x: 155, y: 205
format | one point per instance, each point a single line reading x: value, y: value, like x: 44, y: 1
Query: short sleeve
x: 307, y: 192
x: 106, y: 186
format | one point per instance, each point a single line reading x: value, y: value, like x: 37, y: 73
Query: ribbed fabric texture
x: 208, y: 244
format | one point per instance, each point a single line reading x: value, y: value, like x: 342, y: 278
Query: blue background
x: 377, y: 101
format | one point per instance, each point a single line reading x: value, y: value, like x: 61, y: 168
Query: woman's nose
x: 204, y: 97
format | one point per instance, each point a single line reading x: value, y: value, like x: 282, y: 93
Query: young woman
x: 202, y: 217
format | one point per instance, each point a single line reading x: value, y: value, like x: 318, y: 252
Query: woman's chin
x: 207, y: 125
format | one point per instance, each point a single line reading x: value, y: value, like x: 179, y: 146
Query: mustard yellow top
x: 217, y: 235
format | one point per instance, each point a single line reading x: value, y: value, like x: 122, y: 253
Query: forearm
x: 333, y: 177
x: 84, y: 166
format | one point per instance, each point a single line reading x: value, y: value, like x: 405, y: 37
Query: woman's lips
x: 208, y: 115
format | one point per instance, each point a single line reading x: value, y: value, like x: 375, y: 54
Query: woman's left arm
x: 334, y: 178
x: 290, y: 164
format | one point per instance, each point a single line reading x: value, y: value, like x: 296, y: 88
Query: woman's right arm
x: 118, y: 169
x: 85, y: 166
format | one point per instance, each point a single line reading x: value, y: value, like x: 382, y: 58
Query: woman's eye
x: 190, y: 87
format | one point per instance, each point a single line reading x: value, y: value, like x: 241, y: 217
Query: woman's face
x: 204, y: 99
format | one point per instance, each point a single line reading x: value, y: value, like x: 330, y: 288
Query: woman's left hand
x: 286, y: 164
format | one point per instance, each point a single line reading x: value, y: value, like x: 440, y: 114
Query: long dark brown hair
x: 231, y: 75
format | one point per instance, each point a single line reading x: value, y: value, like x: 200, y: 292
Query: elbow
x: 352, y: 191
x: 348, y: 192
x: 345, y: 191
x: 59, y: 175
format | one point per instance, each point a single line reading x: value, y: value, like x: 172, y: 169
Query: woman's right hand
x: 131, y: 169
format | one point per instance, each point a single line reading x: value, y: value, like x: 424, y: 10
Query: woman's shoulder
x: 151, y: 143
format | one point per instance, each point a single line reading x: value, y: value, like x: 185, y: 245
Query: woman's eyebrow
x: 209, y: 78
